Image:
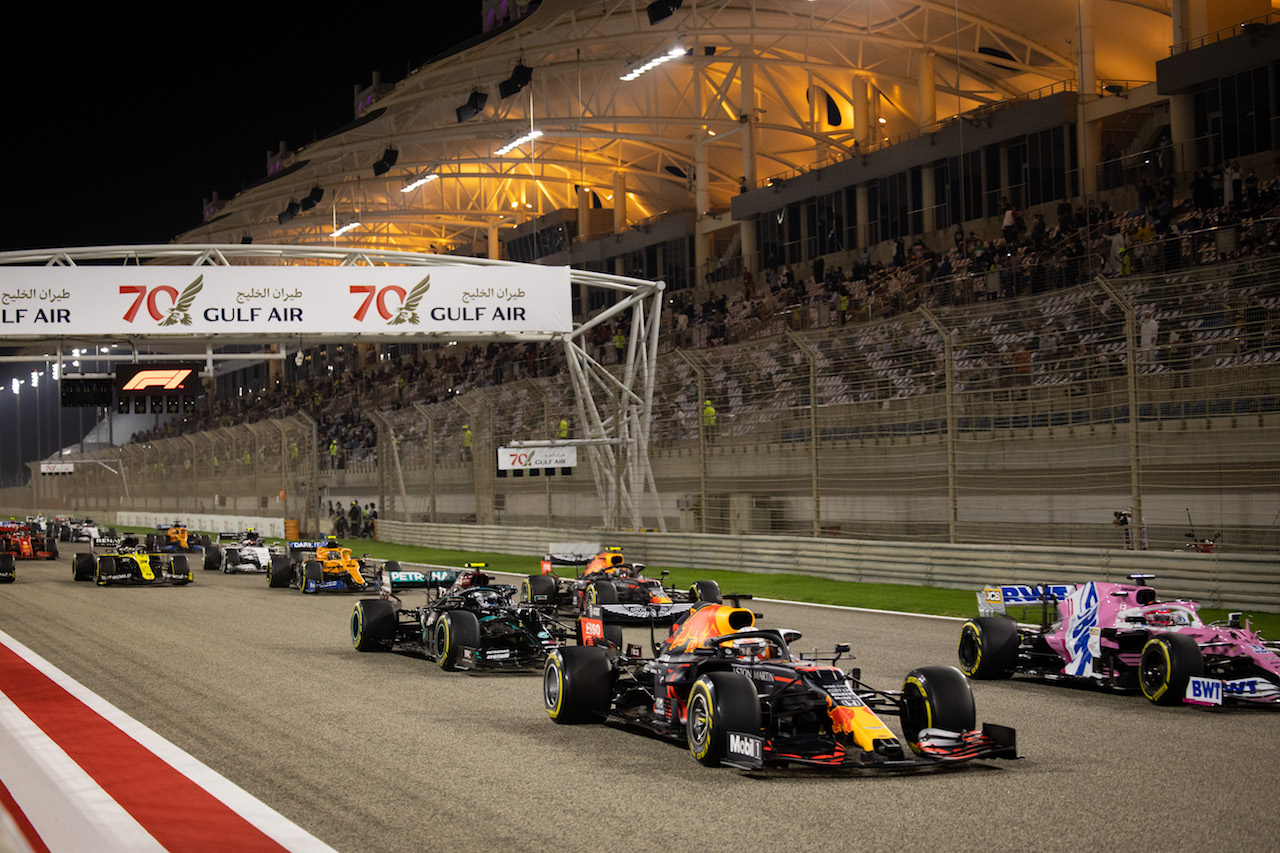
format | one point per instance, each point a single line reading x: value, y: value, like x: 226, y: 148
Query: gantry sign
x: 284, y: 296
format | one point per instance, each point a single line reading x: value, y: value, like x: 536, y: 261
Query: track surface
x: 385, y: 751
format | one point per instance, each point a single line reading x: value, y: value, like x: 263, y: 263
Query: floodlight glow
x: 661, y: 59
x: 424, y: 179
x: 337, y: 232
x: 15, y: 385
x: 35, y: 379
x: 516, y: 143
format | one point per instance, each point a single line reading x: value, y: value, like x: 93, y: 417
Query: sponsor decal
x: 523, y: 458
x: 1203, y: 691
x: 842, y: 694
x: 496, y: 654
x: 1025, y: 594
x: 592, y: 630
x: 660, y: 707
x: 757, y: 674
x: 750, y: 747
x: 1083, y: 635
x: 119, y: 577
x: 407, y: 577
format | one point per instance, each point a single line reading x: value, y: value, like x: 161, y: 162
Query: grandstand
x: 823, y: 189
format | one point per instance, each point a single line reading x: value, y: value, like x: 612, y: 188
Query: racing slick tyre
x: 182, y: 568
x: 988, y: 647
x: 720, y: 703
x: 8, y: 568
x: 213, y: 558
x: 82, y: 567
x: 312, y: 572
x: 1168, y: 662
x: 539, y: 589
x: 602, y: 592
x: 111, y: 533
x: 106, y: 566
x: 576, y: 684
x: 936, y: 697
x: 64, y: 533
x: 51, y: 545
x: 151, y: 542
x: 455, y: 629
x: 281, y: 572
x: 708, y: 591
x: 373, y: 625
x: 204, y: 540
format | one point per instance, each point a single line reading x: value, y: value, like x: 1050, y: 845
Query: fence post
x: 1131, y: 377
x: 948, y: 357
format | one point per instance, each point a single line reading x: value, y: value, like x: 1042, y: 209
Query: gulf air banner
x: 283, y: 300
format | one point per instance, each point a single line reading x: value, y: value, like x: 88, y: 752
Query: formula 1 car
x: 245, y: 553
x: 322, y: 566
x: 24, y: 543
x: 736, y: 695
x: 82, y: 531
x: 176, y: 539
x: 608, y: 579
x: 131, y: 564
x: 1119, y: 636
x: 467, y: 622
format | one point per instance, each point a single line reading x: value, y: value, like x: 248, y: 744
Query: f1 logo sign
x: 166, y: 379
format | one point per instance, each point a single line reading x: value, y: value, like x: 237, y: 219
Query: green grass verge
x: 877, y: 596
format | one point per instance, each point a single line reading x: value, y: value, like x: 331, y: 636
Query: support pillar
x: 928, y: 107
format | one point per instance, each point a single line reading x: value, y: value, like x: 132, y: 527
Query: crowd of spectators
x: 1225, y: 216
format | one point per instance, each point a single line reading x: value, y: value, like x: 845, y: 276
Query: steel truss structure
x: 614, y: 406
x: 759, y: 88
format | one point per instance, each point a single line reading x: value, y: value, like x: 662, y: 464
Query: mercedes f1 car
x: 322, y: 566
x: 468, y: 621
x: 131, y: 564
x: 737, y: 695
x: 1119, y: 636
x: 22, y: 542
x: 608, y: 579
x: 245, y: 553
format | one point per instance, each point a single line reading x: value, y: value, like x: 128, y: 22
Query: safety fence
x: 1216, y: 580
x: 1044, y: 417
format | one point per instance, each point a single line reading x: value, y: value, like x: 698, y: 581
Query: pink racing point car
x: 1121, y: 637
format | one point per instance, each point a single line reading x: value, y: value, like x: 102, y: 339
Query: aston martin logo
x: 181, y: 310
x: 408, y: 312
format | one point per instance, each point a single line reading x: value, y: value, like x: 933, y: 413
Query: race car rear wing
x: 994, y: 600
x: 391, y: 581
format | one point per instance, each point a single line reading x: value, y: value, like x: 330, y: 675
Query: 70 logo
x: 377, y: 296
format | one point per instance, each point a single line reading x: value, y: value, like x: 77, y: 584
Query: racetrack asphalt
x: 387, y: 752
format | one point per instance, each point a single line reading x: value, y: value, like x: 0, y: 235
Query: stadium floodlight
x: 517, y: 142
x: 661, y: 59
x: 413, y: 182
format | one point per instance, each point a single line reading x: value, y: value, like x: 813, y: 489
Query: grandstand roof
x: 790, y: 72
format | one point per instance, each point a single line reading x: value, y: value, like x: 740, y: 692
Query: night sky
x: 119, y: 123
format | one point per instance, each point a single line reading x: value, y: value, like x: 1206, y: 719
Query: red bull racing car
x: 468, y: 621
x: 737, y: 695
x: 608, y: 579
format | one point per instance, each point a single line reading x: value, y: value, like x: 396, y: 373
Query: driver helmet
x: 484, y: 598
x: 749, y: 648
